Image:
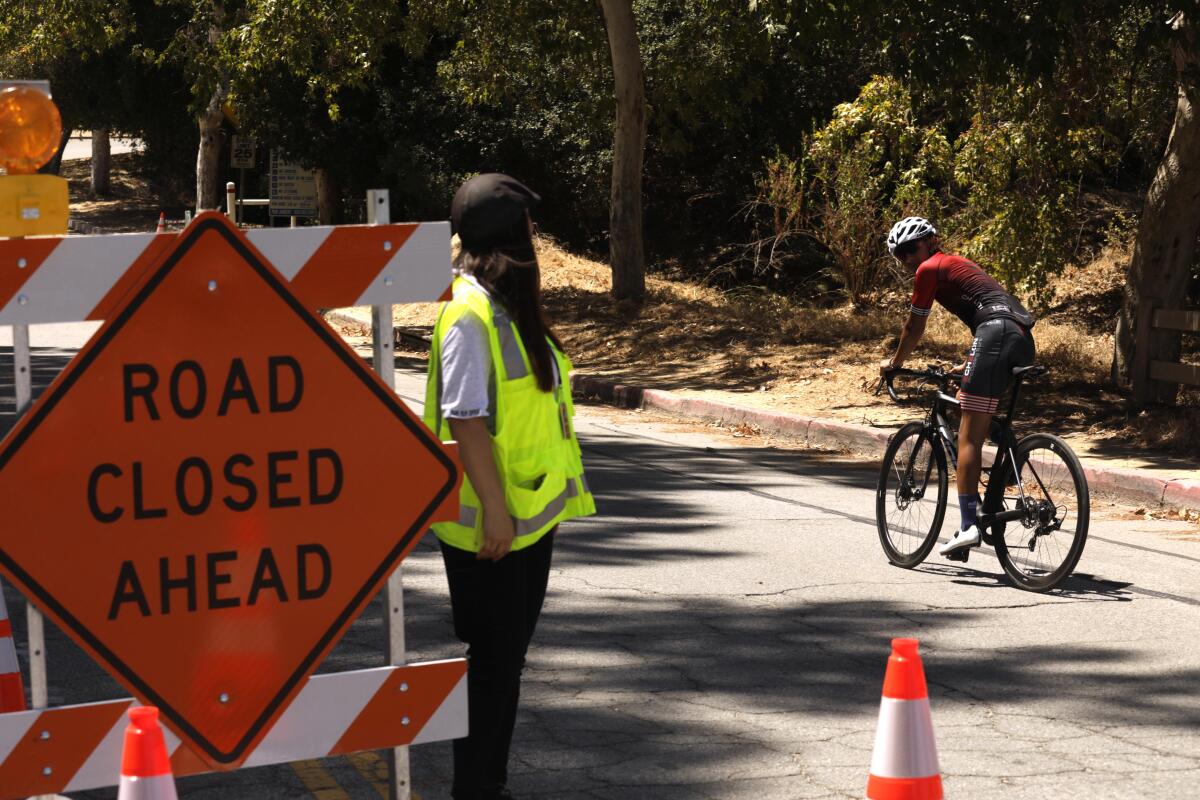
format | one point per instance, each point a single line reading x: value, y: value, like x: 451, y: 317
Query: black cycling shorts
x: 999, y: 345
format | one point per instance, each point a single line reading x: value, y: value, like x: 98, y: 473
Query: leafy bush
x: 870, y: 165
x: 1020, y: 165
x: 1005, y: 192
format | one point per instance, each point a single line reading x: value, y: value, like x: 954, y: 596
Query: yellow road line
x: 374, y: 768
x: 318, y: 781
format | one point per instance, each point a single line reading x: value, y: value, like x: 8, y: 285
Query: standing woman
x: 498, y: 385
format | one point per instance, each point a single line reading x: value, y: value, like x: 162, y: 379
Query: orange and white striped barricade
x: 12, y: 690
x: 904, y: 764
x: 78, y: 278
x: 81, y: 278
x: 145, y: 764
x: 74, y: 748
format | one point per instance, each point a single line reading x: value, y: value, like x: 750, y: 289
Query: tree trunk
x: 625, y: 205
x: 1166, y: 237
x: 54, y: 165
x: 101, y: 161
x: 329, y: 199
x: 209, y: 192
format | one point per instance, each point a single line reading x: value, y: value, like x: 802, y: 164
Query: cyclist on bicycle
x: 1000, y: 326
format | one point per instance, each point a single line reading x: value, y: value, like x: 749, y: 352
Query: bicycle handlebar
x: 930, y: 374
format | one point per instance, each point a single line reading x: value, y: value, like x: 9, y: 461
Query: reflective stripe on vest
x: 469, y: 515
x: 510, y: 347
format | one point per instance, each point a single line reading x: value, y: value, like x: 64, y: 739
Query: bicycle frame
x: 1013, y: 488
x: 938, y: 425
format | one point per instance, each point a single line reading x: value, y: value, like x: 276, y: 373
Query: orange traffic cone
x: 145, y: 764
x: 904, y: 765
x: 12, y: 691
x: 162, y: 222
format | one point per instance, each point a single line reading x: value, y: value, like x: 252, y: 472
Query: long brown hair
x: 517, y: 284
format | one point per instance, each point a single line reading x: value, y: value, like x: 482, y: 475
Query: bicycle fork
x: 948, y: 442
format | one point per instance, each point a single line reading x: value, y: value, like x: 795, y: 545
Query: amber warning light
x: 30, y: 134
x: 30, y: 129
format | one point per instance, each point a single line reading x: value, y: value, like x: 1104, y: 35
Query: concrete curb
x: 1134, y: 486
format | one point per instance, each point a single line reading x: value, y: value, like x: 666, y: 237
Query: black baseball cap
x: 488, y: 211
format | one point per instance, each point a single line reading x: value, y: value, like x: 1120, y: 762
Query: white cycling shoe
x: 960, y: 541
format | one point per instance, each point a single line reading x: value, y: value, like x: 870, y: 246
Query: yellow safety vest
x: 533, y: 437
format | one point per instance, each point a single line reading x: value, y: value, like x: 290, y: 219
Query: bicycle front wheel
x: 1040, y: 550
x: 910, y: 501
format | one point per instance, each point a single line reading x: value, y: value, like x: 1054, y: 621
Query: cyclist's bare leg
x: 971, y: 433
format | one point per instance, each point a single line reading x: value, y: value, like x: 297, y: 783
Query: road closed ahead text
x: 241, y: 481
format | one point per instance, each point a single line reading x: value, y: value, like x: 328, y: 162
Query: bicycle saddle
x: 1031, y: 371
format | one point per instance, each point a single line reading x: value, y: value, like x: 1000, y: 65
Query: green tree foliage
x: 103, y: 60
x: 148, y: 67
x: 872, y: 163
x: 1003, y: 119
x: 1000, y: 138
x: 1020, y: 166
x: 1005, y: 191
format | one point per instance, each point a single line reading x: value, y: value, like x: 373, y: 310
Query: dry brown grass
x: 756, y: 347
x: 759, y: 348
x: 129, y: 207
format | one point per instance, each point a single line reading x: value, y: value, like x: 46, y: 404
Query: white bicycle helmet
x: 909, y: 229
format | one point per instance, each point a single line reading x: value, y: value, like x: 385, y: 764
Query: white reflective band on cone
x: 159, y: 787
x: 8, y: 648
x: 8, y: 656
x: 904, y: 746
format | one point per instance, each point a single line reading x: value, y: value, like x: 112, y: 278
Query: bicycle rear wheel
x: 910, y: 500
x: 1039, y: 551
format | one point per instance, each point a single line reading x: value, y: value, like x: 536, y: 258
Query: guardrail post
x: 231, y: 201
x: 384, y: 360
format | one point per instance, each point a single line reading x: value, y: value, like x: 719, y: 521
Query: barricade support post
x: 384, y: 359
x: 39, y: 694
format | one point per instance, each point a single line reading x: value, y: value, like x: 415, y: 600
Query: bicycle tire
x: 1046, y: 461
x: 890, y: 489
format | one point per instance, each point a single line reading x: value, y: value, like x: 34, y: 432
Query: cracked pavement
x: 721, y: 628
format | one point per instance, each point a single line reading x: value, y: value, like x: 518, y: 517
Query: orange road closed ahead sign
x: 213, y: 489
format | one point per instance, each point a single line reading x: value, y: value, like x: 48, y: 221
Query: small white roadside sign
x: 293, y: 189
x: 241, y: 152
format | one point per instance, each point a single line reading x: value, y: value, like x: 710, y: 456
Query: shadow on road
x: 45, y: 363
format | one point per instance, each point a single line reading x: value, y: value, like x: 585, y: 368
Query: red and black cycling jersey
x: 964, y: 290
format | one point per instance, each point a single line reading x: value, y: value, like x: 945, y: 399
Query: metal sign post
x: 241, y: 158
x: 384, y: 359
x: 23, y: 380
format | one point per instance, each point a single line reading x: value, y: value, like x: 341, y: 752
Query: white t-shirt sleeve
x: 466, y: 369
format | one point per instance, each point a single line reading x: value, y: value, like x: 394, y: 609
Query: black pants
x: 496, y: 605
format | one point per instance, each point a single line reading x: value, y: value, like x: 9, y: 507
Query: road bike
x: 1036, y: 483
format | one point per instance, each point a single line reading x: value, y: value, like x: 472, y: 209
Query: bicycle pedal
x: 961, y: 555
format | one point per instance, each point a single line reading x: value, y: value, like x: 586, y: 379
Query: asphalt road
x: 720, y: 630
